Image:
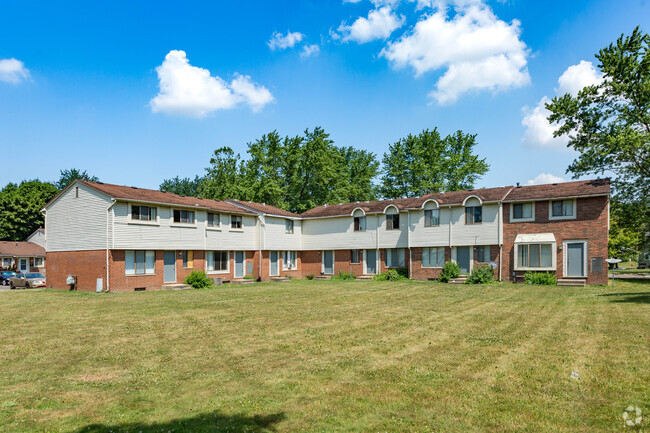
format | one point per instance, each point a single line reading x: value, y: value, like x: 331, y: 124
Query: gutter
x: 108, y: 210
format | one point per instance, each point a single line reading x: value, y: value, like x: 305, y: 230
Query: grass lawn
x: 323, y: 356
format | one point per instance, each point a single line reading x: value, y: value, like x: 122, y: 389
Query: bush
x: 449, y: 271
x: 249, y: 277
x: 541, y: 278
x: 310, y: 276
x: 392, y: 275
x: 344, y: 276
x: 198, y: 280
x: 482, y: 274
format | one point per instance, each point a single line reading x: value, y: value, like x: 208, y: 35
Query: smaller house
x: 38, y: 237
x: 22, y: 256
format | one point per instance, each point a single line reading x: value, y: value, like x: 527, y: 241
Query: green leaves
x: 20, y: 208
x: 68, y: 176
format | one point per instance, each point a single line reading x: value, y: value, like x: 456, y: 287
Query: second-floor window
x: 359, y: 224
x: 143, y: 213
x: 431, y: 217
x: 522, y: 211
x: 562, y: 208
x: 392, y: 222
x: 214, y: 220
x: 184, y: 216
x: 288, y: 226
x: 473, y: 214
x: 235, y: 222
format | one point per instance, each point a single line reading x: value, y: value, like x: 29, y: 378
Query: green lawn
x: 324, y: 356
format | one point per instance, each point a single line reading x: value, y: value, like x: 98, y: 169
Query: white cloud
x: 13, y: 71
x: 191, y: 91
x: 380, y: 24
x: 280, y: 42
x: 479, y: 51
x: 543, y: 178
x: 538, y: 132
x: 577, y: 77
x: 310, y: 50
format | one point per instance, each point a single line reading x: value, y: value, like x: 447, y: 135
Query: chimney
x: 518, y: 186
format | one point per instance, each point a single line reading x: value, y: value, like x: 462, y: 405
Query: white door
x: 23, y: 265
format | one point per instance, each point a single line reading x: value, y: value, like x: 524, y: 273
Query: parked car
x: 29, y: 280
x: 5, y: 276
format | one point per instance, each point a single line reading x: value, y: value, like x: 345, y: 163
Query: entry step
x: 280, y: 279
x: 365, y: 277
x: 242, y: 281
x: 572, y: 282
x: 176, y: 287
x: 459, y: 280
x: 322, y: 277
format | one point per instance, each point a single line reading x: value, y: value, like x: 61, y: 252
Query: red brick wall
x: 382, y: 260
x: 310, y: 263
x: 420, y: 273
x: 86, y: 265
x: 590, y: 224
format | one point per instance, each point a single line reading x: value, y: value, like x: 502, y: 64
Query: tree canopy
x: 70, y: 175
x: 418, y: 164
x: 20, y: 208
x: 185, y: 186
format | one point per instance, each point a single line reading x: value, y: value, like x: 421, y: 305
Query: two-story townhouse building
x: 134, y: 238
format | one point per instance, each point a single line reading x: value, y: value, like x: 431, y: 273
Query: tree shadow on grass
x: 207, y: 422
x: 633, y: 297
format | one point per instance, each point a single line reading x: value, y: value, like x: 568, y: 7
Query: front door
x: 371, y: 262
x: 169, y: 268
x: 274, y: 264
x: 575, y: 260
x: 23, y: 265
x: 462, y: 256
x: 240, y: 258
x: 328, y: 262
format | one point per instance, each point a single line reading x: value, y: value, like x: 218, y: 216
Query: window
x: 6, y: 262
x: 217, y: 260
x: 140, y: 262
x: 38, y: 262
x: 483, y: 253
x: 288, y: 226
x: 522, y: 211
x: 360, y: 224
x: 431, y: 217
x: 289, y: 261
x: 143, y: 213
x: 183, y: 216
x: 562, y: 208
x: 235, y: 222
x: 433, y: 257
x: 214, y: 220
x: 395, y: 258
x: 392, y: 222
x: 534, y: 255
x: 355, y: 256
x: 473, y: 214
x: 188, y: 259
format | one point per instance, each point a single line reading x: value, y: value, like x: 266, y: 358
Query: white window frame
x: 147, y: 254
x: 565, y: 255
x: 437, y: 210
x: 553, y: 266
x: 181, y: 224
x: 361, y: 218
x: 401, y: 258
x: 322, y: 262
x: 568, y: 217
x: 489, y: 251
x: 129, y: 211
x: 289, y: 223
x: 294, y: 263
x: 227, y: 271
x: 473, y: 215
x: 38, y: 262
x: 522, y: 220
x: 392, y: 216
x: 241, y: 220
x: 7, y: 262
x: 207, y: 216
x: 435, y: 266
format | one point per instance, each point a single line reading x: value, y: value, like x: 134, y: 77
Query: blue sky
x: 136, y: 92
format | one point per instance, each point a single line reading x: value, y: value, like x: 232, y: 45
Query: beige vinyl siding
x: 433, y: 236
x: 485, y: 233
x: 338, y: 233
x: 77, y: 223
x: 393, y: 238
x: 38, y: 237
x: 246, y: 239
x: 276, y: 237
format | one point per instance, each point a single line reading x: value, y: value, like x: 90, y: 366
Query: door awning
x: 535, y: 238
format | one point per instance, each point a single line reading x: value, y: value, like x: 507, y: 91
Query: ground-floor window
x: 188, y: 259
x: 7, y: 262
x: 534, y: 255
x: 140, y: 262
x: 355, y: 256
x: 289, y: 261
x: 433, y: 257
x: 395, y: 258
x: 483, y: 253
x: 38, y: 262
x: 217, y: 260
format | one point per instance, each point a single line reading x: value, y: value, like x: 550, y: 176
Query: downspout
x: 499, y: 227
x: 108, y: 211
x: 259, y: 245
x: 451, y: 216
x: 408, y: 242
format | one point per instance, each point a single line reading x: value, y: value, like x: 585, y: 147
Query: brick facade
x: 87, y: 266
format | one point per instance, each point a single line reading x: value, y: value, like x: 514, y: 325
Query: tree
x: 608, y: 124
x: 20, y: 208
x: 224, y: 178
x: 418, y: 164
x: 184, y: 186
x: 625, y: 238
x: 69, y: 176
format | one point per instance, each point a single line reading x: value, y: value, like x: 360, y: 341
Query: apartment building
x: 133, y: 238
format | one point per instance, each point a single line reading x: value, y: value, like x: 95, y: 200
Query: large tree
x: 20, y: 208
x: 183, y: 186
x: 70, y: 175
x: 418, y: 164
x: 608, y: 124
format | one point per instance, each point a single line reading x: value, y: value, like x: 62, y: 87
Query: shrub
x: 392, y: 275
x: 249, y: 277
x: 541, y: 278
x: 310, y: 276
x: 482, y: 274
x: 344, y: 276
x: 449, y: 271
x: 198, y: 280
